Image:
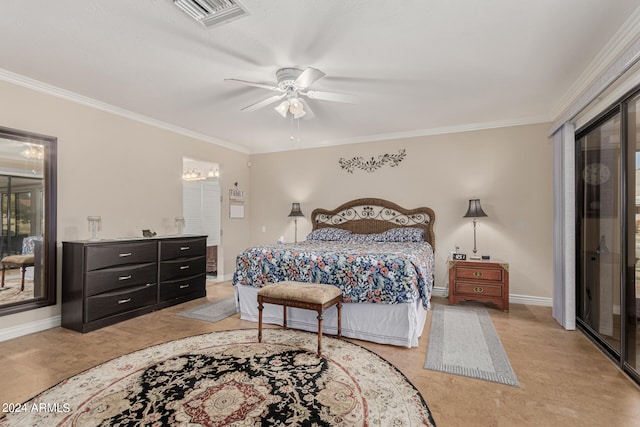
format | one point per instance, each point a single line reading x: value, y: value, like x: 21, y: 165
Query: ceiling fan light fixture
x: 296, y: 107
x: 282, y: 108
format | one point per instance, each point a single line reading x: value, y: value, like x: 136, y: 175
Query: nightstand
x: 485, y: 281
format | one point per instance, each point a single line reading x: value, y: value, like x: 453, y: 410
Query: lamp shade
x: 475, y: 210
x: 282, y: 108
x: 295, y: 210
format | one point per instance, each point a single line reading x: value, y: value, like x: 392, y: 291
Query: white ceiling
x: 418, y: 66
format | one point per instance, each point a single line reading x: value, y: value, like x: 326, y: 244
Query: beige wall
x: 509, y: 169
x: 129, y: 173
x: 126, y: 171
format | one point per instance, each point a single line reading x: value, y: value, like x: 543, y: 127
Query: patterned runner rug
x: 227, y: 378
x: 464, y: 342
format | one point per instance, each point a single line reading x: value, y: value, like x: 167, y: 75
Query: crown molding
x: 36, y: 85
x: 415, y: 133
x: 619, y: 43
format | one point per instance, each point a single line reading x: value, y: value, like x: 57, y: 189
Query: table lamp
x: 474, y: 211
x: 295, y: 213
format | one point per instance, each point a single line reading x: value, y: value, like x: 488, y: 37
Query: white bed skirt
x: 395, y: 324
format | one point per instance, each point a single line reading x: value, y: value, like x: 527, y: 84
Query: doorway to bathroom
x: 201, y: 206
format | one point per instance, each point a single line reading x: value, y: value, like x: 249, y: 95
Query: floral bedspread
x: 387, y: 273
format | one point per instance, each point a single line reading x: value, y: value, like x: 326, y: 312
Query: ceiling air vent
x: 212, y: 12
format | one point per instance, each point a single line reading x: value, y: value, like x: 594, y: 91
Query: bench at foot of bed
x: 308, y: 296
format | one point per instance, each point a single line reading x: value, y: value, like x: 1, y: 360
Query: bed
x: 379, y: 254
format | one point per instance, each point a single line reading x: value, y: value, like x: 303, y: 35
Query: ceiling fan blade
x: 331, y: 96
x: 263, y: 103
x: 308, y: 111
x: 307, y: 77
x: 263, y: 86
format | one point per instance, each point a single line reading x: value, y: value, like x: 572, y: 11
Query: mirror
x: 28, y: 220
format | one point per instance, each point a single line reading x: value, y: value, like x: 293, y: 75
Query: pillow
x: 363, y: 238
x: 409, y: 234
x: 329, y: 233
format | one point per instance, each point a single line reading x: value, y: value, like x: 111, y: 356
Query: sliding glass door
x: 608, y: 232
x: 599, y: 165
x: 632, y: 289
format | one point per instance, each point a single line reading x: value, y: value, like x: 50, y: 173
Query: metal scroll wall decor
x: 372, y: 164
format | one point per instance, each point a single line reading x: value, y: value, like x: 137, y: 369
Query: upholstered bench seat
x: 21, y: 261
x: 309, y: 296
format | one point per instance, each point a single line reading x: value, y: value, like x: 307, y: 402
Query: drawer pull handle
x: 184, y: 286
x: 184, y: 248
x: 149, y: 284
x: 124, y: 301
x: 478, y: 290
x: 124, y: 277
x: 184, y: 267
x: 125, y: 255
x: 477, y: 273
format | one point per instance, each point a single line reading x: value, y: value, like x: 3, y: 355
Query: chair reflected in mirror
x: 31, y: 249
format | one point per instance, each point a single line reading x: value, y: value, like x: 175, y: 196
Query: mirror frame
x: 49, y: 244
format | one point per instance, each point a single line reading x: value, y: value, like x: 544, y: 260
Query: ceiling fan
x: 292, y: 83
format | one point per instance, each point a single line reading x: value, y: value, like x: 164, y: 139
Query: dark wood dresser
x: 486, y: 281
x: 107, y: 281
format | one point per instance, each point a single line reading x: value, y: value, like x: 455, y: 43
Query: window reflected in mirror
x: 27, y: 209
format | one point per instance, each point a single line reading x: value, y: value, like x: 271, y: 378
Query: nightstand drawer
x: 478, y: 290
x: 489, y: 274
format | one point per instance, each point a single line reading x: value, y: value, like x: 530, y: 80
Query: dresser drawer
x: 489, y: 274
x: 182, y: 248
x: 478, y: 290
x: 109, y: 279
x: 103, y: 256
x: 127, y: 299
x: 182, y: 267
x: 177, y: 288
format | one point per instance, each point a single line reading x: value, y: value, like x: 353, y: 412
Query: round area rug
x: 229, y: 379
x: 11, y: 291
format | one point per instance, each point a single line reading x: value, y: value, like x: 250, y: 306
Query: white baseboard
x: 513, y: 298
x: 530, y: 300
x: 29, y: 328
x: 54, y: 322
x: 439, y: 292
x: 225, y: 278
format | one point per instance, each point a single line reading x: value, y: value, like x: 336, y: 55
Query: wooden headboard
x: 371, y: 215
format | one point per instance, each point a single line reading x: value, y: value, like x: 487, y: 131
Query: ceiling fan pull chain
x: 291, y: 137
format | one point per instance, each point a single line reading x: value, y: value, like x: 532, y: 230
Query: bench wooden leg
x: 319, y: 332
x: 3, y: 270
x: 339, y: 321
x: 284, y: 317
x: 260, y: 308
x: 24, y: 270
